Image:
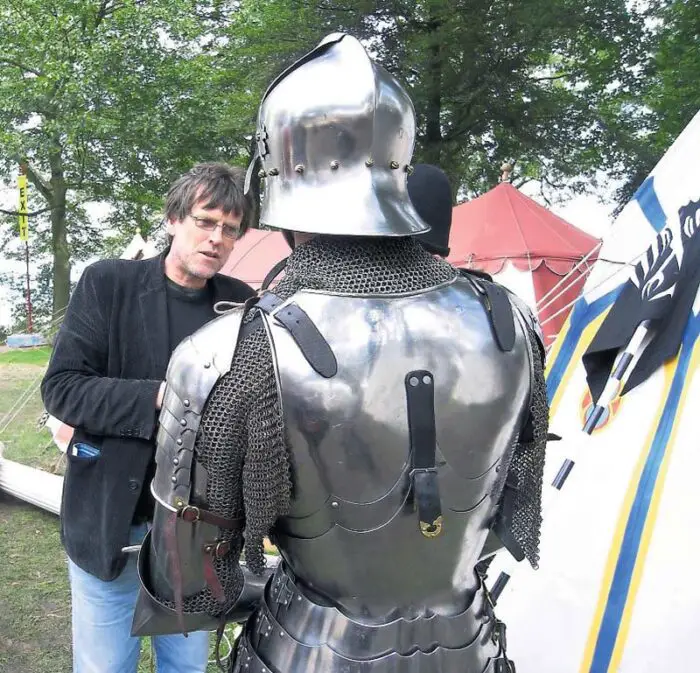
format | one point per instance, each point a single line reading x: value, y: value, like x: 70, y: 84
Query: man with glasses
x: 105, y: 379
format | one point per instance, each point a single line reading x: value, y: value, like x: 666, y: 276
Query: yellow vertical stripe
x: 651, y: 521
x: 583, y: 343
x: 623, y: 516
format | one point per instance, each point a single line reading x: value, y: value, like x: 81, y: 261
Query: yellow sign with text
x: 23, y: 218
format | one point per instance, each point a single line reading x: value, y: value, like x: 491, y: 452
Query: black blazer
x: 108, y: 361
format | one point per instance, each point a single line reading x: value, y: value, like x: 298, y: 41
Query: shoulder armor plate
x: 195, y: 367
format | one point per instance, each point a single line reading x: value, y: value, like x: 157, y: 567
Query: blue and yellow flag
x: 616, y: 590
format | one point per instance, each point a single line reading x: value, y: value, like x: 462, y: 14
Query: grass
x: 26, y: 356
x: 20, y: 411
x: 35, y: 630
x: 34, y: 593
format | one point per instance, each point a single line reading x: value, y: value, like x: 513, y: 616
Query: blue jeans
x: 102, y: 615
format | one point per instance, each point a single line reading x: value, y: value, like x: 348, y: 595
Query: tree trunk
x: 59, y: 236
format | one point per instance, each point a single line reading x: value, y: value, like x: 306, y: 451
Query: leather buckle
x: 190, y: 513
x: 217, y: 549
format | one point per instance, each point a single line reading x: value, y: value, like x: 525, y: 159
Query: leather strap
x: 305, y: 334
x: 501, y: 316
x: 275, y: 271
x: 420, y: 393
x: 217, y: 549
x: 212, y: 579
x: 498, y: 309
x: 191, y: 513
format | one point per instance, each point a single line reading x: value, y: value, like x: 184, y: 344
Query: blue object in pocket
x: 85, y: 451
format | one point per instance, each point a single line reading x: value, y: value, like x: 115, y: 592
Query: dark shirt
x: 188, y: 310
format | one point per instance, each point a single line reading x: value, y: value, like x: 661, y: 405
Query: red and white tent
x: 255, y: 254
x: 539, y: 256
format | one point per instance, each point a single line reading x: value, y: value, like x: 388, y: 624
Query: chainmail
x: 527, y: 463
x: 241, y: 441
x: 362, y: 265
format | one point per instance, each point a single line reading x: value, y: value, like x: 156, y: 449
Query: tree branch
x: 32, y: 214
x: 21, y: 66
x: 39, y: 183
x: 551, y: 77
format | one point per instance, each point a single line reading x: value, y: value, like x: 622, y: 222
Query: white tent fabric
x: 616, y: 588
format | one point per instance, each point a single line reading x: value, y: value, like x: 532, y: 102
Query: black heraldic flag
x: 661, y: 291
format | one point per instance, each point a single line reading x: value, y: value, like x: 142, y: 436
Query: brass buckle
x: 431, y: 529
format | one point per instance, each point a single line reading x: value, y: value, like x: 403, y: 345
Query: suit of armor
x: 370, y: 415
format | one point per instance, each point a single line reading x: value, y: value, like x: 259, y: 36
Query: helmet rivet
x: 262, y: 173
x: 299, y: 168
x: 369, y: 163
x: 394, y: 164
x: 273, y: 171
x: 409, y: 169
x: 334, y: 165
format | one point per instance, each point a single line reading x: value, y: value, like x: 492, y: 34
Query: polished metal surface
x: 335, y: 136
x: 290, y: 633
x: 361, y: 590
x: 195, y: 367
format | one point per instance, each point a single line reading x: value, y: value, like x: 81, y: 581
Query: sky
x: 585, y: 212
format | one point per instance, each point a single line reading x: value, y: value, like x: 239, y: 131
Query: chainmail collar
x: 362, y: 265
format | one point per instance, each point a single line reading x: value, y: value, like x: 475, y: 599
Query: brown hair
x: 217, y: 184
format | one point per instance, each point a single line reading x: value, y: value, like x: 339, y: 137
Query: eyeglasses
x: 210, y: 225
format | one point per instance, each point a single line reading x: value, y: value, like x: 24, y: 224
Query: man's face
x: 202, y: 242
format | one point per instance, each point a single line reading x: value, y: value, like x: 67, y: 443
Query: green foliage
x: 670, y: 96
x: 110, y: 100
x: 106, y: 101
x: 540, y: 84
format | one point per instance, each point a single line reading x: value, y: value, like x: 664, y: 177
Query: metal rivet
x: 335, y: 504
x: 498, y: 468
x: 186, y: 403
x: 183, y: 422
x: 394, y: 165
x: 207, y: 365
x: 334, y: 165
x: 179, y: 442
x: 413, y: 381
x: 281, y: 634
x: 273, y: 171
x: 173, y: 479
x: 298, y: 598
x: 299, y: 168
x: 427, y: 380
x: 176, y: 461
x: 409, y: 169
x: 262, y: 173
x: 369, y: 163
